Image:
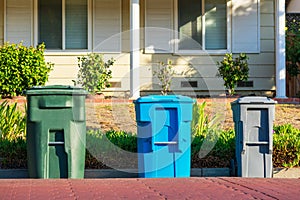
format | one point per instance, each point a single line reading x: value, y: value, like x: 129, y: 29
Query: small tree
x: 233, y: 70
x: 164, y: 73
x: 94, y: 73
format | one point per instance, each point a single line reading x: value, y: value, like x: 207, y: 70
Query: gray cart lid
x: 254, y: 100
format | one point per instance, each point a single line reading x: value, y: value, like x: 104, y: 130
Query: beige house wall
x: 200, y: 68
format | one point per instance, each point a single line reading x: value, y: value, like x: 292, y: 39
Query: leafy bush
x: 13, y: 154
x: 225, y: 146
x: 233, y: 70
x: 123, y: 140
x: 110, y: 149
x: 22, y: 67
x: 220, y: 154
x: 286, y: 146
x: 94, y: 73
x: 165, y: 73
x: 12, y: 122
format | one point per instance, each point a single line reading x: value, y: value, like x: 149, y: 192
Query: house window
x: 63, y: 24
x: 202, y: 25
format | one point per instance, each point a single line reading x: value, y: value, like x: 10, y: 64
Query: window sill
x: 201, y: 52
x: 73, y: 52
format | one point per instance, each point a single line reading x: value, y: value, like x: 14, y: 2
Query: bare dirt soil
x: 121, y: 116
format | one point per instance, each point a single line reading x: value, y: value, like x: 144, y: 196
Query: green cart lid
x: 56, y: 90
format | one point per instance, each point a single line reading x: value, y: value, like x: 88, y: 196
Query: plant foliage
x: 293, y: 48
x: 286, y: 146
x: 12, y: 122
x: 209, y: 140
x: 202, y: 123
x: 22, y: 67
x: 94, y: 73
x: 233, y: 70
x: 13, y: 154
x: 165, y: 73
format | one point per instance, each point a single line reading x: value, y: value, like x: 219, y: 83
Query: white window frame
x: 203, y: 51
x: 89, y: 35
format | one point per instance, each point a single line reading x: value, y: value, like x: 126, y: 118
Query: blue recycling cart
x: 164, y: 135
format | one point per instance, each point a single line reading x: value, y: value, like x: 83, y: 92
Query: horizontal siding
x: 65, y: 69
x: 267, y: 32
x: 263, y: 84
x: 262, y: 70
x: 267, y: 46
x: 262, y: 74
x: 267, y: 6
x: 267, y: 19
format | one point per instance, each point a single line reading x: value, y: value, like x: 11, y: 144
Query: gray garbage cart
x: 253, y: 118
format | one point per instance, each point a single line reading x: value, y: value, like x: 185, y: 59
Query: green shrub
x: 22, y: 67
x: 110, y: 148
x: 286, y: 146
x: 225, y: 146
x: 233, y: 70
x: 94, y: 73
x: 121, y: 139
x: 220, y: 153
x: 13, y: 154
x: 12, y: 122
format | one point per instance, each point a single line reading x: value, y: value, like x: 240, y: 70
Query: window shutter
x: 19, y: 21
x: 245, y: 26
x: 107, y: 26
x: 158, y: 26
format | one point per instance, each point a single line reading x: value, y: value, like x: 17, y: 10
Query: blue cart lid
x: 254, y: 100
x: 164, y: 98
x: 56, y: 89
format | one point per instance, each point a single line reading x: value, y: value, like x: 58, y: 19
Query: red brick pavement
x: 185, y: 188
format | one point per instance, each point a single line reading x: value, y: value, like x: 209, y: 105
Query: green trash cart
x: 56, y: 132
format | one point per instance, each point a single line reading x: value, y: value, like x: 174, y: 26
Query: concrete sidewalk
x: 134, y: 188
